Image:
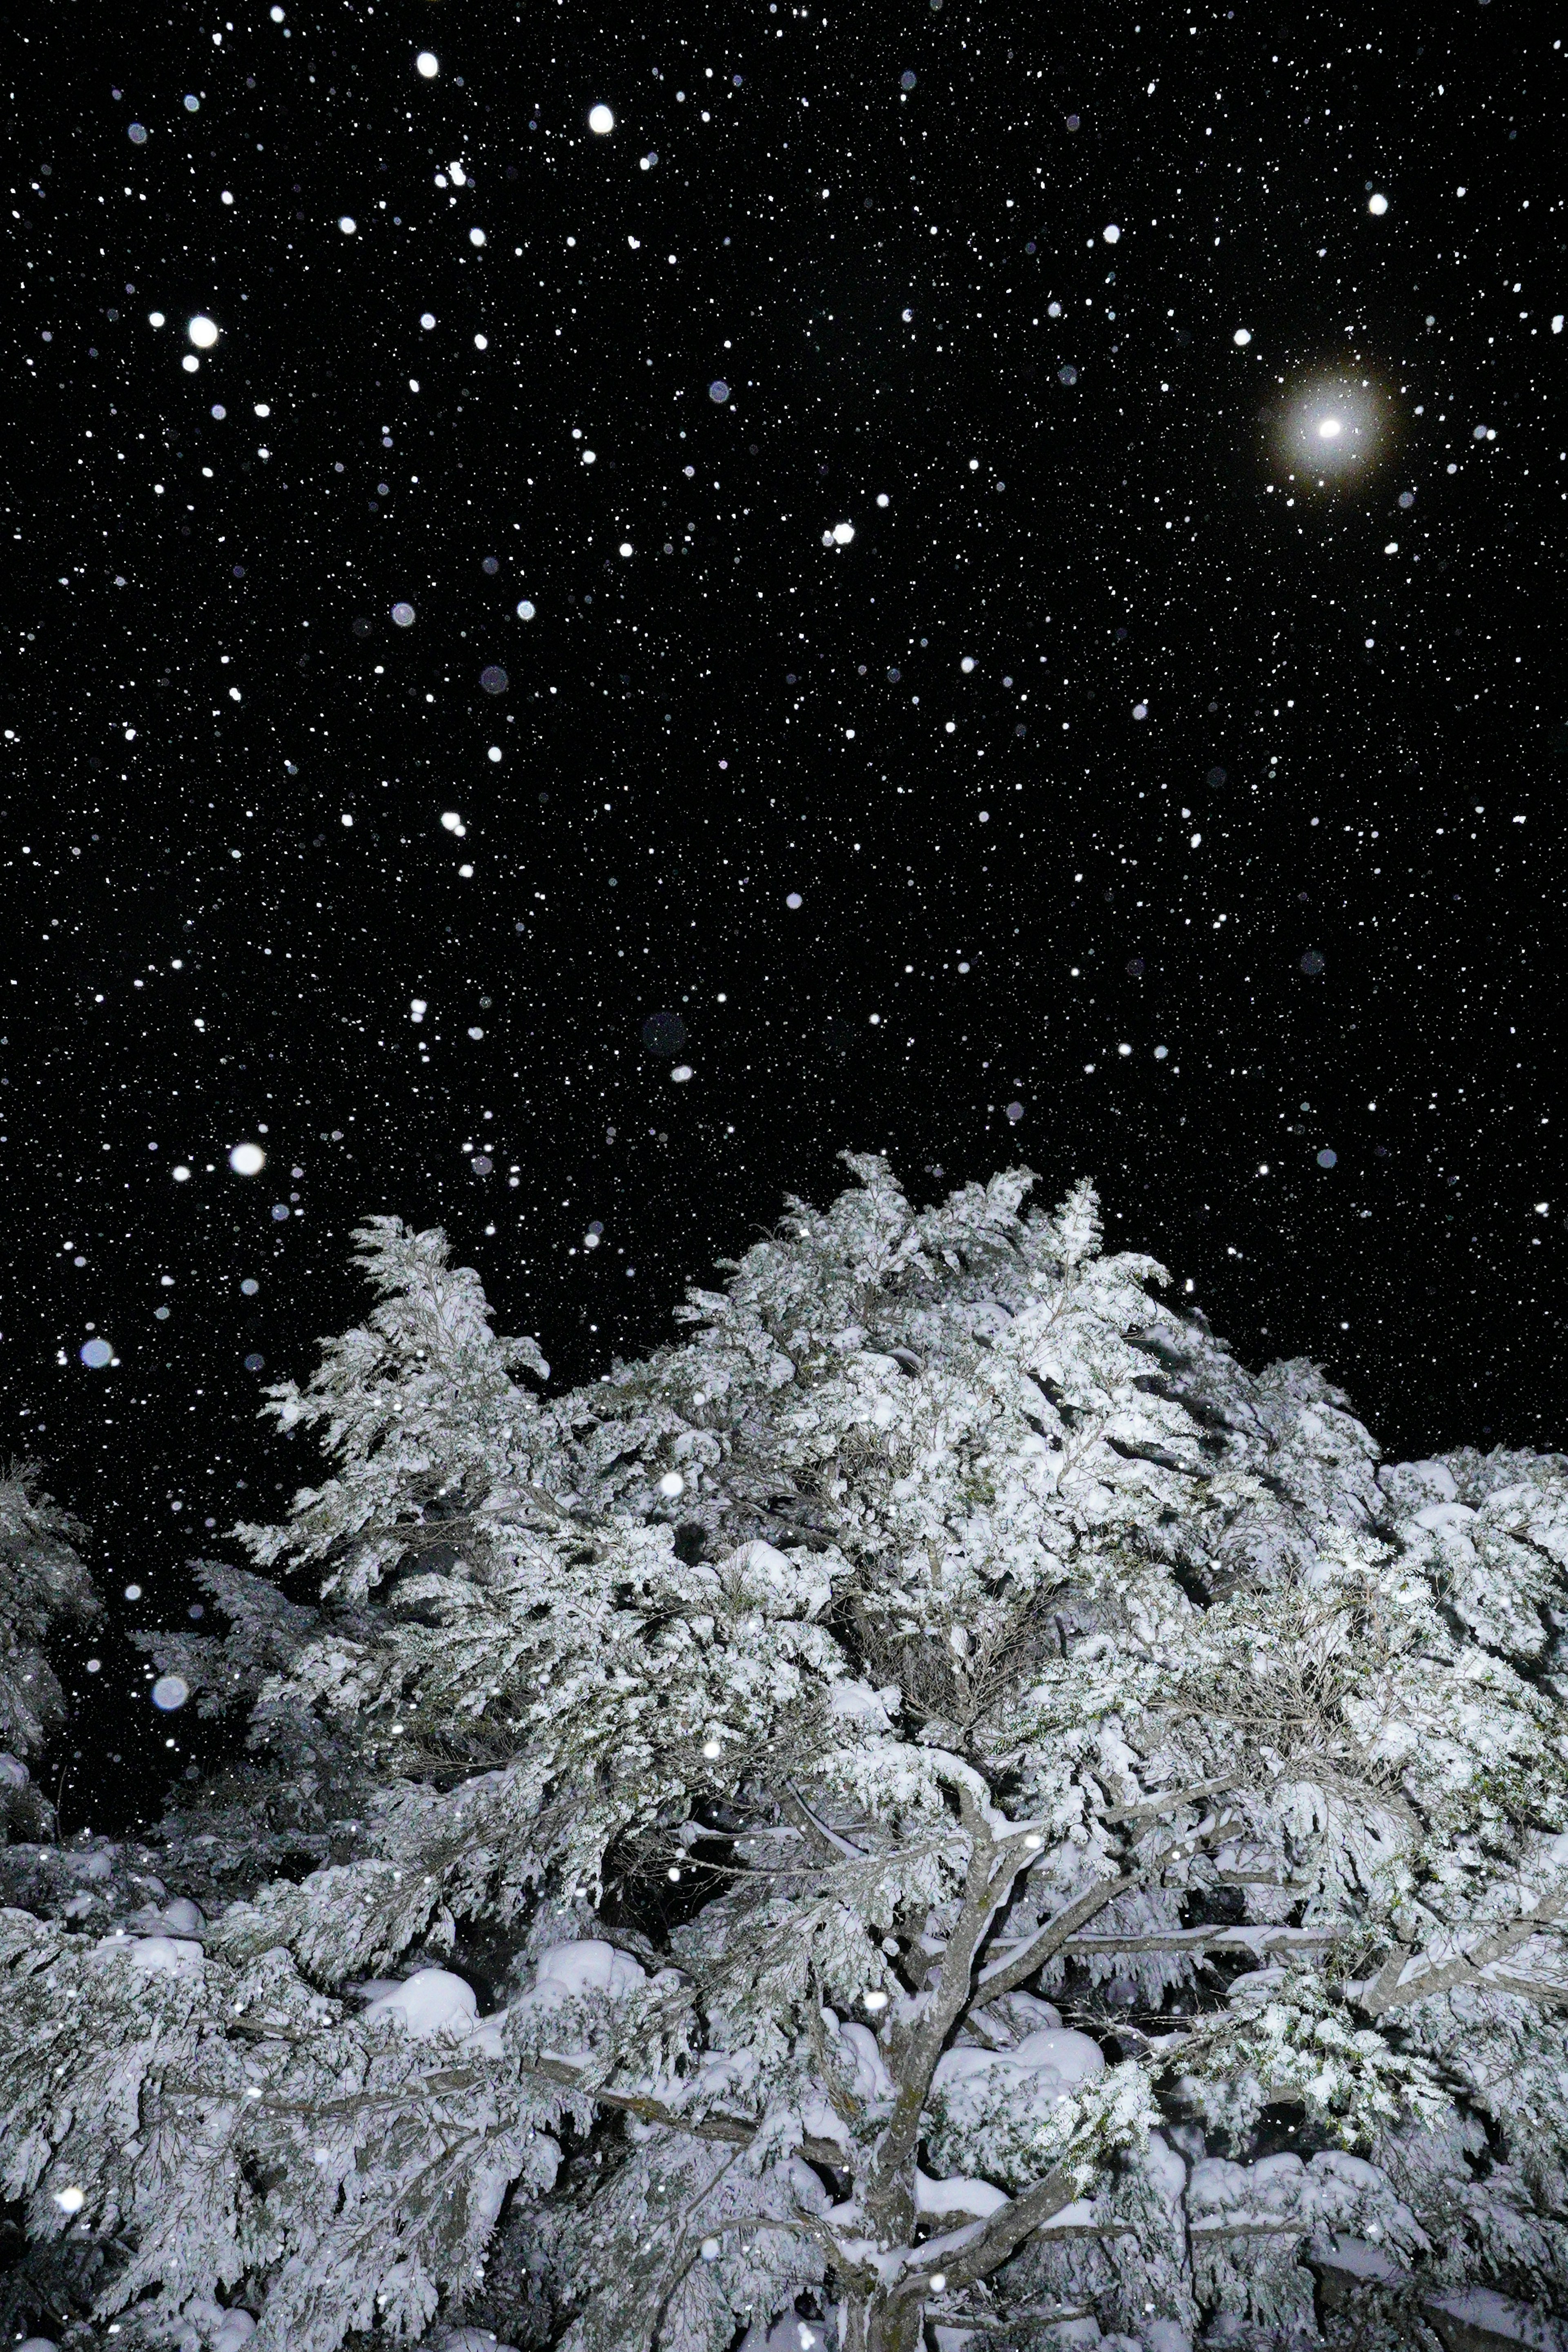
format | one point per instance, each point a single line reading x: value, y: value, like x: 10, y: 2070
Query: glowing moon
x: 1334, y: 428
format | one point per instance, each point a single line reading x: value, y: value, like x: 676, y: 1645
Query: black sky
x: 1325, y: 873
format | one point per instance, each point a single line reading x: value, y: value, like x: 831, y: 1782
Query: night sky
x: 982, y: 584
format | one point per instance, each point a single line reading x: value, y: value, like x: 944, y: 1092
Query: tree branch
x: 734, y: 2131
x: 1208, y: 1940
x: 1166, y: 1802
x: 1387, y: 1991
x: 999, y: 2237
x: 1003, y: 1975
x: 796, y: 1804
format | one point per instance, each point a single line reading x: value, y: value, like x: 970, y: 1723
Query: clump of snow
x: 860, y: 2046
x: 1413, y: 1485
x: 568, y: 1970
x: 1059, y: 2060
x: 857, y: 1702
x: 161, y: 1955
x: 234, y: 2330
x: 430, y: 2002
x: 968, y: 2197
x: 179, y: 1917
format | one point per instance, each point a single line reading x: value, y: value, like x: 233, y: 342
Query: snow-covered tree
x: 936, y: 1806
x: 42, y: 1581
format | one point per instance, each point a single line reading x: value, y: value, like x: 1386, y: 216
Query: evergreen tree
x: 42, y: 1581
x: 936, y: 1806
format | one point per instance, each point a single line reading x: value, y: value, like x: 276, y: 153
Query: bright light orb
x: 428, y: 64
x: 203, y: 333
x: 1334, y: 429
x: 248, y: 1160
x: 601, y: 120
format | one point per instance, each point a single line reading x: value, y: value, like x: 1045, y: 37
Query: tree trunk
x: 893, y: 2327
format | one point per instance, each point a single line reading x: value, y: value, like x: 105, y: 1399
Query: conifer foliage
x: 935, y: 1807
x: 42, y: 1581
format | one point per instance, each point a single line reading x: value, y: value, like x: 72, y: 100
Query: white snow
x: 427, y: 63
x: 860, y: 2046
x: 601, y: 120
x: 1058, y: 2059
x: 202, y: 331
x: 163, y: 1955
x: 1515, y: 2323
x: 1362, y: 2260
x: 248, y: 1160
x: 432, y: 2001
x: 857, y: 1702
x: 233, y: 2329
x: 1447, y: 1518
x: 1435, y: 1477
x: 979, y: 2197
x: 568, y: 1970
